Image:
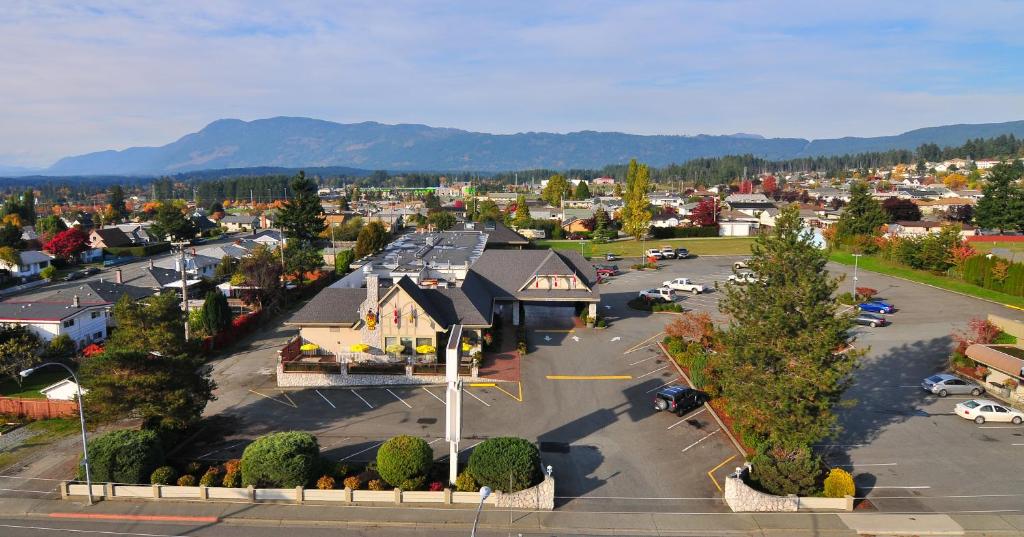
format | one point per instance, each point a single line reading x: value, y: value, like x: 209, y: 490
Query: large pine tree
x: 302, y: 216
x: 1002, y: 207
x: 782, y: 372
x: 863, y: 215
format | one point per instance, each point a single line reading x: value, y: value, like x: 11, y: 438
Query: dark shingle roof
x: 113, y: 237
x: 333, y: 305
x: 504, y: 272
x: 498, y: 234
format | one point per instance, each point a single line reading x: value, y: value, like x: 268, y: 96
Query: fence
x: 38, y: 409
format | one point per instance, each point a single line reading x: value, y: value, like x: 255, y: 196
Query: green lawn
x: 884, y: 267
x: 30, y: 386
x: 46, y: 432
x: 985, y: 247
x: 632, y: 248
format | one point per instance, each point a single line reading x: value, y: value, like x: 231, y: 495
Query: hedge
x: 126, y: 456
x: 683, y: 232
x: 505, y: 460
x: 138, y: 251
x: 281, y: 460
x: 404, y: 458
x: 978, y: 270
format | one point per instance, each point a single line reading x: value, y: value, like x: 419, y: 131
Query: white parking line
x: 361, y: 398
x: 705, y: 437
x: 651, y: 372
x: 325, y: 398
x: 461, y: 450
x: 1000, y: 426
x: 685, y: 418
x: 856, y: 465
x: 913, y: 487
x: 434, y: 396
x: 644, y: 360
x: 477, y: 398
x: 397, y: 397
x: 361, y: 451
x: 660, y: 387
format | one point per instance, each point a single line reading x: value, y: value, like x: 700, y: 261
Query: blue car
x: 877, y: 306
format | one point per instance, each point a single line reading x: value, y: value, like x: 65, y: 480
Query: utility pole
x: 184, y: 282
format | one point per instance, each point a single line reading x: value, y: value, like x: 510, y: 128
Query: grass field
x: 884, y: 267
x: 1016, y: 247
x: 29, y: 388
x: 632, y: 248
x: 45, y: 432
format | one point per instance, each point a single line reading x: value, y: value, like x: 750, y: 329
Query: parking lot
x: 586, y: 398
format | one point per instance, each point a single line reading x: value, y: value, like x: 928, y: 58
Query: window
x: 1001, y: 409
x: 97, y: 336
x: 389, y: 341
x: 409, y: 348
x: 986, y: 408
x: 424, y: 341
x: 95, y: 314
x: 69, y: 323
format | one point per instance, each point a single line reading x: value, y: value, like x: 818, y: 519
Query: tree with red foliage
x: 769, y: 185
x: 746, y: 187
x: 68, y: 243
x: 459, y: 204
x: 705, y: 213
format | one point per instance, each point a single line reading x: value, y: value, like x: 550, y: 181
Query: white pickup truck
x: 685, y: 285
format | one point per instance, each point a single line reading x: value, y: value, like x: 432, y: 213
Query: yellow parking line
x: 482, y: 385
x: 273, y: 399
x: 711, y: 472
x: 504, y: 391
x: 589, y: 377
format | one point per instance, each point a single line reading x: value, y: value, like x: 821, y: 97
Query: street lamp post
x: 856, y: 260
x: 484, y: 493
x: 81, y: 418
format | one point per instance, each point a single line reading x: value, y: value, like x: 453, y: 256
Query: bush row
x: 138, y: 251
x: 683, y: 232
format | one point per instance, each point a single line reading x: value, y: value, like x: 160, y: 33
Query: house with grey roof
x: 240, y: 222
x: 30, y: 264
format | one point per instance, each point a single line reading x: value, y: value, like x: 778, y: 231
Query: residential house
x: 113, y: 237
x: 915, y: 228
x: 240, y: 222
x: 737, y: 224
x: 81, y: 220
x: 577, y: 225
x: 30, y: 264
x: 941, y: 205
x: 665, y: 221
x: 64, y: 390
x: 665, y: 199
x: 603, y: 181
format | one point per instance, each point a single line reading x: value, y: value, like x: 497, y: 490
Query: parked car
x: 944, y: 384
x: 982, y: 410
x: 606, y: 272
x: 659, y: 294
x: 668, y: 252
x: 870, y: 319
x: 611, y: 257
x: 742, y: 264
x: 91, y: 270
x: 654, y: 252
x: 686, y: 285
x: 743, y: 277
x: 609, y: 267
x: 877, y: 306
x: 678, y: 399
x: 682, y: 253
x: 74, y: 276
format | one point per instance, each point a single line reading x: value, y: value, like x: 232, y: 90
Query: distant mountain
x: 6, y: 170
x: 292, y: 142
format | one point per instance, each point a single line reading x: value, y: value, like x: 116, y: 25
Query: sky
x: 81, y: 76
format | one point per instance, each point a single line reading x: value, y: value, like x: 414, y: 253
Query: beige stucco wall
x: 1010, y: 326
x: 413, y: 322
x: 338, y: 341
x: 548, y: 282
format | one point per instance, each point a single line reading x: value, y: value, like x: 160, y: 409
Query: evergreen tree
x: 372, y: 239
x: 117, y: 203
x: 19, y: 350
x: 153, y: 324
x: 863, y: 214
x: 635, y: 216
x: 10, y: 236
x: 899, y: 209
x: 343, y: 204
x: 488, y: 211
x: 302, y: 216
x: 582, y: 191
x: 602, y: 231
x: 782, y: 370
x: 216, y: 313
x: 523, y: 219
x: 28, y: 208
x: 170, y: 224
x: 1002, y: 206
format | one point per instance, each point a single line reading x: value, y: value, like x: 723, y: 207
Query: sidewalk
x: 557, y: 522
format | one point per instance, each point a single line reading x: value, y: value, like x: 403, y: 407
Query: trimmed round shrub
x: 125, y: 456
x: 839, y: 484
x: 325, y: 483
x: 211, y: 478
x: 498, y: 461
x: 783, y: 471
x: 352, y: 482
x: 377, y: 484
x: 187, y: 480
x: 465, y: 483
x: 415, y: 483
x: 164, y: 475
x: 404, y: 457
x: 194, y: 468
x: 232, y: 466
x: 232, y: 480
x: 281, y: 460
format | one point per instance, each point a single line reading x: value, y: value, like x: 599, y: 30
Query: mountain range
x: 293, y: 142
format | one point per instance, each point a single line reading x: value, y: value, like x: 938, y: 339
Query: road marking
x: 838, y: 445
x: 286, y: 396
x: 1017, y: 444
x: 477, y: 398
x: 711, y: 472
x: 461, y: 450
x: 645, y: 359
x: 651, y: 372
x: 855, y: 465
x: 325, y: 398
x: 272, y: 398
x: 30, y: 491
x: 434, y: 396
x: 361, y: 451
x: 434, y: 440
x: 590, y: 377
x: 913, y: 487
x: 616, y: 338
x: 662, y: 386
x: 148, y: 518
x: 482, y: 385
x: 205, y: 455
x: 361, y: 398
x: 642, y: 344
x: 517, y: 399
x: 69, y: 530
x: 1000, y: 426
x: 397, y: 397
x: 685, y: 418
x: 705, y: 437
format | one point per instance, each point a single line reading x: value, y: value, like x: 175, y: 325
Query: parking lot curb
x: 711, y: 410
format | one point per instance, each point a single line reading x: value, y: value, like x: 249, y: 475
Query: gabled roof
x: 239, y: 219
x: 419, y: 296
x: 505, y: 273
x: 113, y: 237
x: 332, y: 305
x: 33, y: 256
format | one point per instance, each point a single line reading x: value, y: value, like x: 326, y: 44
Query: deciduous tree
x: 19, y: 350
x: 523, y: 219
x: 68, y: 243
x: 635, y: 216
x: 153, y: 324
x: 901, y: 210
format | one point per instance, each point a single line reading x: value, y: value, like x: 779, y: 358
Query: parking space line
x: 397, y: 397
x: 1000, y: 426
x: 590, y: 377
x: 435, y: 396
x: 325, y: 398
x: 361, y: 451
x: 642, y: 343
x: 855, y: 465
x: 644, y: 360
x: 461, y: 450
x: 360, y: 397
x: 272, y: 398
x: 705, y: 437
x: 504, y: 391
x: 205, y: 455
x: 651, y: 372
x: 912, y: 487
x: 477, y: 398
x: 685, y: 418
x: 711, y: 472
x: 288, y: 397
x: 662, y: 386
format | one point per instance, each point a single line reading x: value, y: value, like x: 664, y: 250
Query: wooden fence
x: 38, y: 409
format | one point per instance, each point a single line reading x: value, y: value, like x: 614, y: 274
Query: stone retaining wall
x: 540, y: 497
x: 327, y: 380
x: 743, y: 499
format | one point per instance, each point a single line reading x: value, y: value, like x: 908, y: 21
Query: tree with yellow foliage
x: 13, y: 219
x: 955, y: 181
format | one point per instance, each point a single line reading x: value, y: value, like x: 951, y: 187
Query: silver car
x: 944, y: 384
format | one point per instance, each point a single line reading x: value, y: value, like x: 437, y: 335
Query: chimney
x: 117, y: 276
x: 74, y: 302
x: 151, y: 265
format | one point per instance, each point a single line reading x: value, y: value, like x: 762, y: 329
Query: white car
x: 663, y: 294
x: 743, y: 277
x: 982, y: 410
x: 742, y: 264
x: 654, y: 252
x: 668, y: 252
x: 686, y: 285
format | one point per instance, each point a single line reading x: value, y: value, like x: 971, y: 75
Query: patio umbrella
x: 359, y: 347
x: 309, y: 347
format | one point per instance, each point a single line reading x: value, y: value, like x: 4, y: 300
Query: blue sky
x: 83, y: 75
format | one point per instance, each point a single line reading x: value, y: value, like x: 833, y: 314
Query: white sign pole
x: 453, y: 401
